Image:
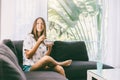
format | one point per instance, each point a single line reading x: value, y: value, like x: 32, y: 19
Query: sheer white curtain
x: 18, y: 15
x: 112, y: 34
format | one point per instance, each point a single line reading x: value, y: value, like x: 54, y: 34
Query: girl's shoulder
x: 29, y: 36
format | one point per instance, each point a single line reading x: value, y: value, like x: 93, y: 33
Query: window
x: 76, y: 20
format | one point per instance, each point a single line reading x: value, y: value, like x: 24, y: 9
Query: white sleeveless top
x: 28, y: 44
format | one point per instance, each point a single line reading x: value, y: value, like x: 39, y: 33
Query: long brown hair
x: 34, y: 29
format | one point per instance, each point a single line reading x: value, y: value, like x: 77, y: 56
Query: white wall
x: 7, y: 16
x: 17, y: 17
x: 0, y: 19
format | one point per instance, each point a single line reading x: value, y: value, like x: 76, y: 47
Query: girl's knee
x: 59, y: 68
x: 46, y: 58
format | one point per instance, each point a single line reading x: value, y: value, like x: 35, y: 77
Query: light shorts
x: 26, y: 67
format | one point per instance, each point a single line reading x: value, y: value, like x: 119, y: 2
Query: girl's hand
x: 49, y: 44
x: 49, y: 48
x: 41, y: 38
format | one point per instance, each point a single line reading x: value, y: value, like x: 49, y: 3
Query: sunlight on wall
x: 18, y: 16
x: 7, y: 15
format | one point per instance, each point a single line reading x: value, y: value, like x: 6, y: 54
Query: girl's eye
x: 41, y: 23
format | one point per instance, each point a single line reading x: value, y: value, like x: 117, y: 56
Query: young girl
x: 36, y: 52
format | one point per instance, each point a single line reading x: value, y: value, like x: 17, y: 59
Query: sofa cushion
x: 78, y: 69
x: 44, y: 75
x: 10, y: 44
x: 9, y: 67
x: 75, y: 50
x: 19, y: 48
x: 16, y: 47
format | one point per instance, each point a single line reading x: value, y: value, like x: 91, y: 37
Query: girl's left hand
x: 49, y: 44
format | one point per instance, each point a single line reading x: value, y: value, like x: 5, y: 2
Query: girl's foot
x: 66, y: 63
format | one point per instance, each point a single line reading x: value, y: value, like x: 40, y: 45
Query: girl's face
x: 40, y: 25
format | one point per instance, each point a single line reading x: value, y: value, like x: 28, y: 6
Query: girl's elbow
x: 28, y: 56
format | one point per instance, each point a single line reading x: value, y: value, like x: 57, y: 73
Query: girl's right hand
x: 41, y: 38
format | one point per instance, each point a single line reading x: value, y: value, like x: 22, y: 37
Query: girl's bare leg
x: 60, y: 70
x: 65, y: 63
x: 47, y: 59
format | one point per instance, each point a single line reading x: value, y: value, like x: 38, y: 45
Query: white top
x: 28, y: 44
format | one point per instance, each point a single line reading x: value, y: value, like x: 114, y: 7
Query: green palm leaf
x: 71, y: 20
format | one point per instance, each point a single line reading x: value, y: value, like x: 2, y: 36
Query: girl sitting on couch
x: 36, y: 52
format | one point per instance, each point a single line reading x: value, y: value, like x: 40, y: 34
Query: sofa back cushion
x: 16, y: 47
x: 62, y: 50
x: 9, y: 67
x: 19, y: 48
x: 75, y: 50
x: 10, y: 44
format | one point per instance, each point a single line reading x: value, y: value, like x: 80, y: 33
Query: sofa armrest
x: 9, y: 65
